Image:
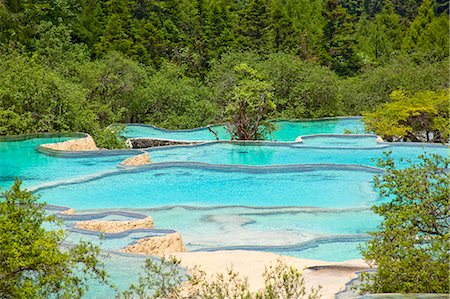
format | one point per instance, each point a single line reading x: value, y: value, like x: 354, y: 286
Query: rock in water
x: 82, y: 144
x: 160, y: 246
x: 113, y: 226
x: 142, y: 159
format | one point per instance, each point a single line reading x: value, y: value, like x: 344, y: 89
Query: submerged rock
x: 138, y: 160
x: 160, y: 245
x: 114, y: 226
x: 69, y: 212
x: 83, y: 144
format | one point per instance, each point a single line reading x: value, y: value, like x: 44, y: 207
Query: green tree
x: 407, y: 9
x: 411, y: 250
x: 370, y: 89
x: 46, y: 101
x: 380, y: 38
x: 218, y: 33
x: 250, y: 106
x: 116, y: 85
x: 88, y: 24
x: 117, y: 32
x: 281, y: 32
x: 176, y: 101
x: 253, y: 25
x: 301, y: 89
x: 427, y: 37
x: 423, y: 116
x: 339, y: 39
x: 307, y: 27
x: 222, y: 76
x: 35, y: 98
x: 34, y: 263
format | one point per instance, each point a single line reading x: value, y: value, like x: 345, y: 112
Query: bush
x: 175, y: 101
x: 302, y: 89
x: 372, y: 88
x: 165, y: 279
x: 33, y: 261
x: 110, y: 138
x: 411, y: 250
x: 423, y: 116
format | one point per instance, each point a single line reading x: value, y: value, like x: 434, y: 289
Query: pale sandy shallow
x: 252, y: 265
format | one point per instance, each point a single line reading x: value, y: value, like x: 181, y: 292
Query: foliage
x: 413, y: 117
x: 110, y: 137
x: 339, y: 40
x: 48, y: 102
x: 221, y: 286
x: 33, y: 261
x: 249, y: 106
x: 379, y: 37
x: 165, y: 279
x: 161, y: 279
x: 34, y: 98
x: 367, y: 91
x: 116, y: 83
x: 81, y: 65
x: 175, y: 101
x: 424, y: 38
x: 193, y: 34
x: 411, y: 249
x: 283, y: 282
x: 301, y: 89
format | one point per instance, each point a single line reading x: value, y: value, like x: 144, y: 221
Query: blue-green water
x: 285, y: 130
x: 19, y: 159
x: 205, y: 187
x: 260, y: 154
x: 309, y: 199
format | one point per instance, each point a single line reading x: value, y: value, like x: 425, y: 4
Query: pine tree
x: 252, y: 28
x: 428, y: 36
x: 117, y: 28
x: 87, y: 26
x: 339, y: 40
x: 282, y: 36
x: 217, y: 29
x: 380, y: 38
x: 308, y: 22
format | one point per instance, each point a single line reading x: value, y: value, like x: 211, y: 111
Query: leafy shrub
x: 411, y: 250
x: 165, y: 279
x: 423, y: 116
x: 33, y: 261
x: 110, y: 138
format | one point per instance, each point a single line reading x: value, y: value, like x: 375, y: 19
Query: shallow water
x: 20, y: 159
x: 309, y: 199
x: 285, y: 130
x: 269, y: 154
x: 204, y: 187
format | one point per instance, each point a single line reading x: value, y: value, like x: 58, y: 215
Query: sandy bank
x: 252, y: 264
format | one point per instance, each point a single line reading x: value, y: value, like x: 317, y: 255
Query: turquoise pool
x: 285, y: 130
x: 310, y: 199
x: 20, y: 159
x: 201, y: 186
x: 288, y: 154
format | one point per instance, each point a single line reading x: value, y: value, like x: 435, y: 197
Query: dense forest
x: 82, y: 65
